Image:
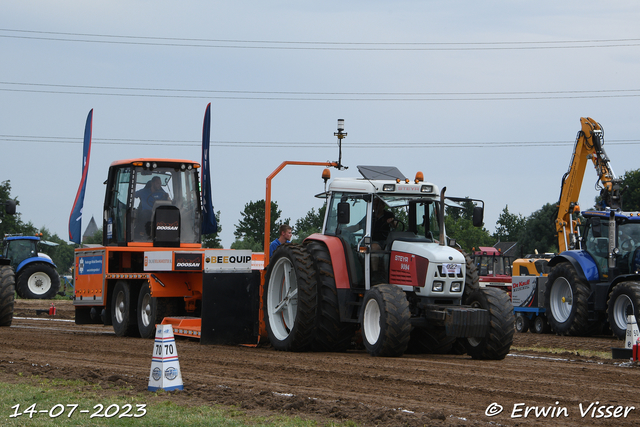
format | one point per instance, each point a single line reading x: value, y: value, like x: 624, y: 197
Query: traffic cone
x: 633, y: 333
x: 165, y: 369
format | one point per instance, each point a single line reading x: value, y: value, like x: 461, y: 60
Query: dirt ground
x: 414, y: 390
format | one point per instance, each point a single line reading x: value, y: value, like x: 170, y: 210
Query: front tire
x: 123, y: 312
x: 290, y: 299
x: 386, y: 321
x: 495, y: 345
x: 7, y: 294
x: 566, y: 301
x: 38, y: 281
x: 623, y: 295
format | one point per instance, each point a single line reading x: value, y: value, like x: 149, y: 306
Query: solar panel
x: 381, y: 172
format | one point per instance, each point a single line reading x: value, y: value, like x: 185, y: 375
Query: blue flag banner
x: 75, y: 219
x: 209, y: 224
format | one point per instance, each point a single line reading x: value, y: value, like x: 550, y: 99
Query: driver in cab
x: 151, y: 192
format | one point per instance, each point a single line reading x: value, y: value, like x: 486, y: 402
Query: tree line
x: 534, y: 232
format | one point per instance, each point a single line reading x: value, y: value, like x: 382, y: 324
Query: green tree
x: 509, y: 226
x: 631, y: 194
x: 62, y: 254
x: 466, y: 235
x: 12, y: 224
x: 309, y: 224
x: 248, y: 243
x: 250, y: 227
x: 212, y: 241
x: 539, y: 231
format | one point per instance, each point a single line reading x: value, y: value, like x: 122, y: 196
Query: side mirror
x: 478, y: 216
x: 344, y: 213
x: 10, y: 207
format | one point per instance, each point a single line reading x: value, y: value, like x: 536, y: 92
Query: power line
x: 314, y: 96
x: 314, y: 45
x: 300, y: 144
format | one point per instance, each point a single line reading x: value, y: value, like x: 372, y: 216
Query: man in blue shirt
x: 285, y: 237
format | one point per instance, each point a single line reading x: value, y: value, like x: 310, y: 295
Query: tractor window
x: 117, y: 229
x: 427, y: 220
x: 628, y: 242
x: 166, y: 186
x: 19, y: 250
x: 598, y: 248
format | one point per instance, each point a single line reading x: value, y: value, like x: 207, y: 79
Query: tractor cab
x: 152, y: 202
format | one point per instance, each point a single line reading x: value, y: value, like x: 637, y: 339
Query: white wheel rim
x: 561, y: 300
x: 120, y: 307
x: 145, y: 315
x: 282, y: 299
x: 620, y: 311
x: 39, y: 283
x: 519, y: 323
x: 371, y: 321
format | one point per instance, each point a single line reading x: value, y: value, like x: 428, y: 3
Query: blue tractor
x: 598, y: 283
x: 36, y: 275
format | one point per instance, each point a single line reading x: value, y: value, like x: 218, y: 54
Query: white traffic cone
x: 165, y: 369
x: 633, y: 333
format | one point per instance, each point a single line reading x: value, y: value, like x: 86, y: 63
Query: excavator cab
x: 152, y: 203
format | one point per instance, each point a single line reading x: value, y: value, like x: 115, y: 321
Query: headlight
x: 437, y: 286
x: 456, y: 286
x: 388, y: 187
x: 426, y: 189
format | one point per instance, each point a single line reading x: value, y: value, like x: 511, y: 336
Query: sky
x: 484, y: 98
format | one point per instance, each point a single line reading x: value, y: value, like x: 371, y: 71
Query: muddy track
x: 413, y: 390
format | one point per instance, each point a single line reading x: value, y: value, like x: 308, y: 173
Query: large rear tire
x: 38, y: 280
x: 623, y: 295
x: 495, y: 345
x: 123, y: 311
x: 566, y: 301
x: 386, y: 321
x: 331, y: 334
x: 7, y: 294
x: 290, y: 299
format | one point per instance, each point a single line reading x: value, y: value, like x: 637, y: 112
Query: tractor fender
x: 338, y: 258
x: 31, y: 260
x: 584, y: 264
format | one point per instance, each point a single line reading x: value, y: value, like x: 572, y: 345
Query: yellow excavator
x: 593, y: 278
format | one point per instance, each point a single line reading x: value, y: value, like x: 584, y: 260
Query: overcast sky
x: 484, y: 97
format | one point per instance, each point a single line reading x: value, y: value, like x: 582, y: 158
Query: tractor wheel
x: 7, y: 294
x: 522, y: 323
x: 471, y: 278
x: 152, y: 310
x: 540, y: 325
x: 386, y: 321
x: 431, y: 340
x: 497, y: 343
x: 123, y: 311
x: 38, y: 281
x: 623, y: 295
x: 566, y: 301
x: 290, y: 299
x: 331, y: 334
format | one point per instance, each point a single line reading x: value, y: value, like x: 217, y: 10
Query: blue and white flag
x: 209, y: 224
x: 75, y: 219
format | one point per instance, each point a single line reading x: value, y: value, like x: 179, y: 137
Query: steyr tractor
x: 7, y: 276
x: 36, y: 275
x: 596, y: 276
x: 406, y: 287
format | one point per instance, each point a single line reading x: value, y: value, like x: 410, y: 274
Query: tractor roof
x: 151, y: 159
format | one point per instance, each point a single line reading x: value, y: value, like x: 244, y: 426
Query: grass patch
x: 584, y: 353
x: 58, y: 397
